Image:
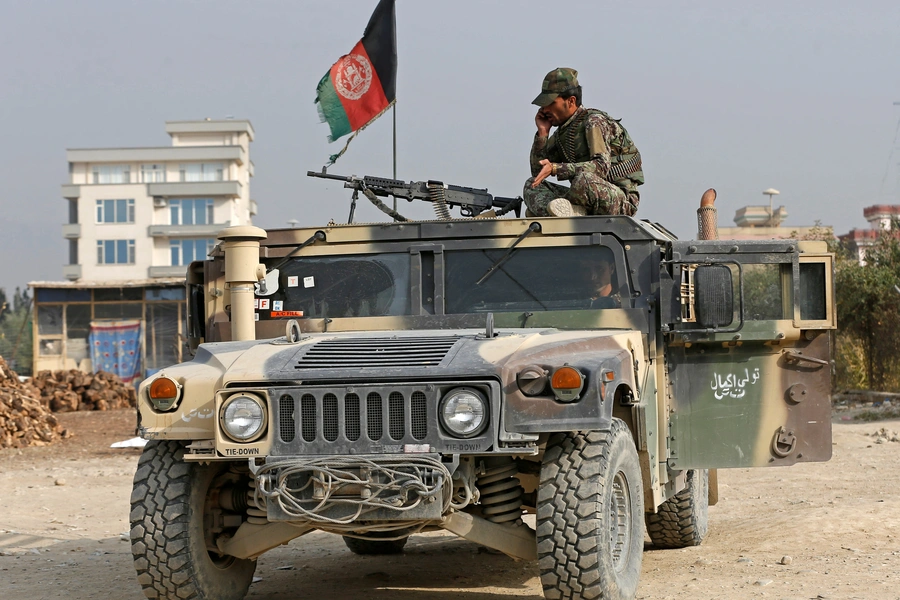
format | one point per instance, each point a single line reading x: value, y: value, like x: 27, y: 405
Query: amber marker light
x: 567, y: 383
x: 164, y: 393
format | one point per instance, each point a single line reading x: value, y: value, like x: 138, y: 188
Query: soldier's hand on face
x: 546, y: 171
x: 543, y: 123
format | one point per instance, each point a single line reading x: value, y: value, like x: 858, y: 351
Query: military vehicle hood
x: 407, y: 354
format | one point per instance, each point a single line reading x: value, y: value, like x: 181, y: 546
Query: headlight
x: 164, y: 393
x: 243, y: 417
x: 464, y: 412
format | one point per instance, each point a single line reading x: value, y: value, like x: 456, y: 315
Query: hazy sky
x: 737, y: 96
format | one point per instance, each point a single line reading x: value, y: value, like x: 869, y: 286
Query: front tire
x: 683, y: 520
x: 169, y: 524
x: 590, y: 536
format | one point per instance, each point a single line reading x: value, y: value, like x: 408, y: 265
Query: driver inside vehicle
x: 602, y: 275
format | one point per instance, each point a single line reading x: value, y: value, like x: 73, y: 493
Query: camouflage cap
x: 557, y: 81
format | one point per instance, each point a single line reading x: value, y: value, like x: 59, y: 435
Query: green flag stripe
x: 331, y: 110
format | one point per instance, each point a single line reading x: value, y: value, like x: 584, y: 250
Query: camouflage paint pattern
x: 676, y: 417
x: 751, y: 405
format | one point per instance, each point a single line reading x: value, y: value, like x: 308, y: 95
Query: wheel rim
x: 620, y: 522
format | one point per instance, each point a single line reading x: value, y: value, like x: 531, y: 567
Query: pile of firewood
x: 65, y: 391
x: 24, y: 420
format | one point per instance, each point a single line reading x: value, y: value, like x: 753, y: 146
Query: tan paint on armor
x: 773, y: 410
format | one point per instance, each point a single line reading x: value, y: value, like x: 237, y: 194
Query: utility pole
x: 890, y: 163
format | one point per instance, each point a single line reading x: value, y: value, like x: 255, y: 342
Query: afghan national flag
x: 361, y: 85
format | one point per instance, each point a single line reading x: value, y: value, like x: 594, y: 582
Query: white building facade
x: 145, y: 213
x: 137, y: 217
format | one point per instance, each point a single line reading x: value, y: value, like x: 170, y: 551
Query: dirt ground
x: 813, y: 531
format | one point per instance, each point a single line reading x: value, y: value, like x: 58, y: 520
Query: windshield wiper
x: 531, y: 229
x: 317, y: 237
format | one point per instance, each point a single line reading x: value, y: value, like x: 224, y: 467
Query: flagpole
x: 394, y: 111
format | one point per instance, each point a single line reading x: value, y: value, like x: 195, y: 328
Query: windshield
x: 336, y: 287
x: 379, y: 285
x: 532, y: 279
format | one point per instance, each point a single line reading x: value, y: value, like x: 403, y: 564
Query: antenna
x: 890, y: 162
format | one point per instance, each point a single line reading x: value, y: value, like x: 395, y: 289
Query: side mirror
x: 714, y: 295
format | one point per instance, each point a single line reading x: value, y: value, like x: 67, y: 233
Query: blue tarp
x: 116, y: 348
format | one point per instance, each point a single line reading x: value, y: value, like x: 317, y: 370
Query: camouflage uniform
x: 592, y: 150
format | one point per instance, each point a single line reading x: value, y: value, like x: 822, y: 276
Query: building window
x: 191, y: 211
x: 115, y: 252
x: 203, y: 172
x: 153, y: 173
x: 73, y: 252
x: 73, y: 211
x: 186, y: 251
x: 112, y: 174
x: 115, y: 211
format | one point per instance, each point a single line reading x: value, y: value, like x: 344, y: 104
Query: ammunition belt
x: 624, y: 169
x: 568, y: 139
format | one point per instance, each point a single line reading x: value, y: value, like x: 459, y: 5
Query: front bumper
x: 337, y: 490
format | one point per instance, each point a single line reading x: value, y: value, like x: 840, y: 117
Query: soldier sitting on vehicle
x: 589, y: 147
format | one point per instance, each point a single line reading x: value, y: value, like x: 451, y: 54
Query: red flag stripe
x: 358, y: 87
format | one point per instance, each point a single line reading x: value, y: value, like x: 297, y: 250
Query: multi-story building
x: 881, y: 218
x: 144, y: 213
x: 136, y: 218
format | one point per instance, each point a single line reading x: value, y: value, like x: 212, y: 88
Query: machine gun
x: 472, y: 202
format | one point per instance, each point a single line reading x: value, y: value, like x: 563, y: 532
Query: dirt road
x: 836, y: 525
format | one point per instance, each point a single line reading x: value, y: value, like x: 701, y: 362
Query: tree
x: 868, y: 308
x: 15, y: 331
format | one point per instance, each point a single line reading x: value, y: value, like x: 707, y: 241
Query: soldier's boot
x: 560, y: 207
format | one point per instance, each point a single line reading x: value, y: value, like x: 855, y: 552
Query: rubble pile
x: 65, y: 391
x: 24, y: 420
x: 884, y: 435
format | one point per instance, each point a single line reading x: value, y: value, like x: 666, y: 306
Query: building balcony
x: 177, y: 189
x: 72, y: 271
x: 71, y: 231
x: 172, y: 271
x: 156, y: 155
x: 70, y: 191
x: 211, y: 230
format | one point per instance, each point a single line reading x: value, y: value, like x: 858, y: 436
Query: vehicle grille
x: 375, y: 353
x: 327, y: 418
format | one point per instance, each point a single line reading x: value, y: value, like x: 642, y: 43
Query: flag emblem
x: 353, y: 76
x: 361, y: 85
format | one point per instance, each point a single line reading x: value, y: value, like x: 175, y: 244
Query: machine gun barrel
x: 471, y: 201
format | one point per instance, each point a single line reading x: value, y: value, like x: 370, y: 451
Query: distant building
x: 880, y: 218
x: 142, y: 213
x: 136, y: 218
x: 755, y: 223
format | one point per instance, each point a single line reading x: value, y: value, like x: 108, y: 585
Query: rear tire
x: 683, y: 521
x: 168, y: 535
x: 376, y: 547
x: 590, y: 536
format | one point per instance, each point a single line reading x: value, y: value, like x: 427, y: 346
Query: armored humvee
x: 377, y: 381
